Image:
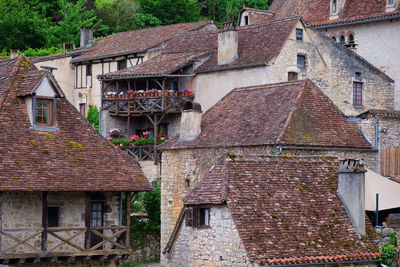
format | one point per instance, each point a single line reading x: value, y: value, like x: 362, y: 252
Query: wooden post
x: 45, y: 220
x: 88, y: 202
x: 163, y: 95
x: 128, y: 122
x: 128, y: 218
x: 155, y: 125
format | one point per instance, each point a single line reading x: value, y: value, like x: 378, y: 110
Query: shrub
x: 388, y: 253
x: 93, y: 117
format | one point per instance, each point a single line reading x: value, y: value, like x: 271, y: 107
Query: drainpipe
x: 73, y: 85
x: 377, y: 132
x: 101, y: 104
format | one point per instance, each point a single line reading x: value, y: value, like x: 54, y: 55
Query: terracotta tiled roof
x: 380, y: 112
x: 291, y: 113
x: 74, y: 53
x: 285, y: 209
x: 256, y: 15
x: 73, y: 158
x: 137, y: 41
x: 317, y: 12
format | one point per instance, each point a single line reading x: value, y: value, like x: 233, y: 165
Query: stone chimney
x: 13, y: 53
x: 227, y: 44
x: 351, y: 189
x: 86, y: 37
x: 190, y: 121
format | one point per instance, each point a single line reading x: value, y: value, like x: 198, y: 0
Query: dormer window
x: 43, y: 108
x: 246, y: 20
x: 390, y: 2
x: 334, y: 6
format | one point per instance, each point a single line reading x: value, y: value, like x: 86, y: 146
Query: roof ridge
x: 263, y: 86
x: 262, y: 24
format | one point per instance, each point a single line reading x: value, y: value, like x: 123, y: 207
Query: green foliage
x: 393, y: 239
x: 93, y: 116
x: 388, y: 252
x: 134, y: 264
x: 149, y: 202
x: 171, y: 11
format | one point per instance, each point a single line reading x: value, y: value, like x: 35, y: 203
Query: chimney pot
x: 351, y: 190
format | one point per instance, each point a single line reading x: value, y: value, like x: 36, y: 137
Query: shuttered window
x: 357, y: 94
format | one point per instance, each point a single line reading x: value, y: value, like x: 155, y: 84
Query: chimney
x: 227, y: 44
x: 351, y: 189
x: 86, y: 37
x: 13, y: 53
x: 190, y: 121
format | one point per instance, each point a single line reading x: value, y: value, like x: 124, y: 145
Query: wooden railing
x: 143, y: 105
x: 17, y: 244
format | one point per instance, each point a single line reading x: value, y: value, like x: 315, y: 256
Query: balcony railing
x: 31, y: 245
x: 145, y: 105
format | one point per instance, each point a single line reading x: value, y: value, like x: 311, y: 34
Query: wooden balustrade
x: 141, y: 152
x: 145, y: 105
x: 62, y: 242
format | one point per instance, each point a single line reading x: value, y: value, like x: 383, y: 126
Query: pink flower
x: 134, y: 137
x: 109, y: 138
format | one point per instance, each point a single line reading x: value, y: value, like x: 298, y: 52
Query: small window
x: 292, y: 76
x: 88, y: 69
x: 197, y: 217
x: 299, y: 34
x: 82, y: 109
x: 96, y: 214
x: 390, y: 2
x: 246, y: 20
x: 121, y: 64
x: 301, y: 61
x: 358, y: 75
x: 342, y: 40
x: 334, y: 6
x: 53, y: 216
x: 351, y: 39
x: 44, y: 112
x: 357, y: 94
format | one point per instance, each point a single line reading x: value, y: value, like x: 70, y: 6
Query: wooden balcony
x: 138, y: 106
x: 141, y: 152
x: 34, y: 245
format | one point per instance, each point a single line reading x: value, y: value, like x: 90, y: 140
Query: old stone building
x: 274, y: 210
x: 77, y: 70
x: 288, y: 119
x: 369, y: 28
x: 61, y: 183
x: 209, y: 65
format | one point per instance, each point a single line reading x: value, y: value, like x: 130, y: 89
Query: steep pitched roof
x: 73, y: 158
x: 317, y: 12
x: 285, y: 209
x: 257, y: 44
x: 290, y: 113
x: 137, y: 41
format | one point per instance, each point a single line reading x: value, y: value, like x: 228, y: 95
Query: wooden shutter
x: 390, y: 161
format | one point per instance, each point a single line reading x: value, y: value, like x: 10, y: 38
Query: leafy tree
x: 93, y: 116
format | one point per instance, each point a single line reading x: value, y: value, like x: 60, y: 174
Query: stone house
x: 285, y: 118
x: 274, y: 210
x: 61, y: 184
x: 212, y: 64
x: 369, y: 28
x: 77, y: 70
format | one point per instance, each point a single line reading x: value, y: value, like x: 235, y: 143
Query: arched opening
x: 342, y: 40
x: 334, y: 6
x: 351, y: 39
x: 334, y: 38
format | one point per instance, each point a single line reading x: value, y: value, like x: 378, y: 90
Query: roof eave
x: 108, y: 56
x: 337, y: 24
x: 233, y: 67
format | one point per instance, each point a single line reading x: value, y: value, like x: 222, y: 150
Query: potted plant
x: 115, y: 132
x: 190, y: 92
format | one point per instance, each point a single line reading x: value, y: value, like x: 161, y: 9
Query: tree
x: 93, y: 117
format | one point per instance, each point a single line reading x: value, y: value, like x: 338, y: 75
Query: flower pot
x: 186, y: 93
x: 176, y: 94
x: 190, y: 93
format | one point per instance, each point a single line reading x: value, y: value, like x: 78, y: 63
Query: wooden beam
x: 128, y: 218
x: 155, y: 156
x: 45, y: 220
x: 88, y: 202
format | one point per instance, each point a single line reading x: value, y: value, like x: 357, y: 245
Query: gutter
x: 147, y: 76
x: 339, y: 263
x: 356, y: 22
x: 108, y: 56
x: 73, y: 84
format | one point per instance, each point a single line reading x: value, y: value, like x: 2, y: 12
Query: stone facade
x: 23, y: 210
x: 217, y: 245
x: 149, y: 251
x: 376, y: 42
x: 183, y: 169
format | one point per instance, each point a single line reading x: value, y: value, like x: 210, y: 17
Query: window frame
x: 299, y: 34
x: 123, y: 62
x: 89, y: 69
x: 246, y: 20
x: 304, y: 62
x: 293, y: 76
x: 334, y: 7
x: 51, y: 111
x: 101, y: 211
x: 58, y: 215
x: 357, y: 94
x: 197, y: 217
x: 342, y: 40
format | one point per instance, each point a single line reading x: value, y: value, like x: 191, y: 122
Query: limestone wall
x: 376, y: 42
x: 182, y: 170
x: 218, y: 245
x: 24, y: 210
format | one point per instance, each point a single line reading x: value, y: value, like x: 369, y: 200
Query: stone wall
x: 24, y: 210
x: 148, y: 251
x: 376, y: 42
x: 218, y: 245
x: 183, y: 169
